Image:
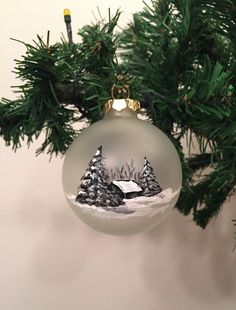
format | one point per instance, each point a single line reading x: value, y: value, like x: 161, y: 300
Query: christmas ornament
x: 122, y: 175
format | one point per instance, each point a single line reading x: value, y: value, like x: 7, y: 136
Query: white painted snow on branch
x: 98, y: 152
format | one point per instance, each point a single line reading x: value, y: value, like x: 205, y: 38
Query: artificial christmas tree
x: 179, y: 56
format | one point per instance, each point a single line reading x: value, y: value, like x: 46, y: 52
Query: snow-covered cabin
x: 126, y: 189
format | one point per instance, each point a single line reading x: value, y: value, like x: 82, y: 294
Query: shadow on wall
x: 198, y: 261
x: 67, y: 250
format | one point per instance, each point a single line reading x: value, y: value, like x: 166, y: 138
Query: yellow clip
x: 66, y: 12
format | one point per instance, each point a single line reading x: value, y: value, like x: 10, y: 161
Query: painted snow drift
x: 122, y: 192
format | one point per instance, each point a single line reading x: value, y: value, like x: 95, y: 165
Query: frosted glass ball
x: 122, y: 175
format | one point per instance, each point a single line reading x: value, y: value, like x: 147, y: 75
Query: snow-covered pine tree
x: 92, y: 190
x: 94, y: 187
x: 148, y: 181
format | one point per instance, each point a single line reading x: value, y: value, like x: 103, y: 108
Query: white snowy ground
x: 141, y: 206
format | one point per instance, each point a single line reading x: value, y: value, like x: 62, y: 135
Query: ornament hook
x: 120, y: 90
x: 120, y: 94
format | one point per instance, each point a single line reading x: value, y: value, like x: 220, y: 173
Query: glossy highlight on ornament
x: 122, y: 175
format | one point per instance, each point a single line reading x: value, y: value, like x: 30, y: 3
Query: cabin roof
x: 128, y: 186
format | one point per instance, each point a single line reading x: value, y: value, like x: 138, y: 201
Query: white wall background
x: 51, y: 260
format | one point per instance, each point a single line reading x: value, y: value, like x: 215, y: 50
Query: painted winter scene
x: 122, y: 192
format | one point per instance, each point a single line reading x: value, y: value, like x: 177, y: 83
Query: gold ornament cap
x: 119, y: 104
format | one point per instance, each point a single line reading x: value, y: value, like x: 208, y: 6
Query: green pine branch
x: 184, y: 54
